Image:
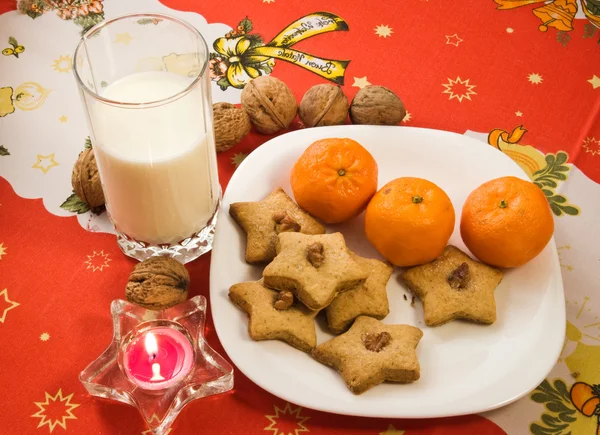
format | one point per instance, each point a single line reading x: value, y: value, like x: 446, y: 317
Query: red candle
x: 158, y: 358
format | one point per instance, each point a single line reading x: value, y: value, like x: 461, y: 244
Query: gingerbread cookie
x: 315, y: 268
x: 369, y: 299
x: 455, y: 287
x: 263, y: 220
x: 371, y: 353
x: 275, y: 315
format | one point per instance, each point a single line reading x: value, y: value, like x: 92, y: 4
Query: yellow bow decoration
x: 527, y: 157
x: 240, y: 56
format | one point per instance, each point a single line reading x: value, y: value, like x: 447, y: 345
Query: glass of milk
x: 146, y: 91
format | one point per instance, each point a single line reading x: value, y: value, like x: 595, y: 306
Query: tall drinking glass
x: 145, y: 87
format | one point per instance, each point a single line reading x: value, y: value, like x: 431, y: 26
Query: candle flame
x: 156, y: 373
x: 151, y: 344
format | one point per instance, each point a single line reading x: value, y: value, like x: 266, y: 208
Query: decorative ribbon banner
x: 241, y: 56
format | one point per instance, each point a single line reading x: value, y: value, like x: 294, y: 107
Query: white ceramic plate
x: 465, y: 368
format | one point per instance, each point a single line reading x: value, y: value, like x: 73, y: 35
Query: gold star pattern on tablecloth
x: 44, y: 336
x: 391, y: 430
x: 63, y: 118
x: 458, y: 93
x: 238, y: 158
x: 45, y: 163
x: 281, y: 424
x: 407, y: 117
x: 123, y: 38
x: 453, y: 40
x: 361, y: 82
x: 560, y: 250
x: 591, y: 145
x: 268, y: 1
x: 55, y: 405
x: 595, y: 81
x: 64, y: 64
x: 509, y: 30
x: 518, y: 113
x: 3, y: 303
x: 383, y: 31
x: 2, y: 250
x: 97, y: 261
x: 535, y: 78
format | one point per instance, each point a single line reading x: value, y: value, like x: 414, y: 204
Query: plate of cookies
x: 387, y: 272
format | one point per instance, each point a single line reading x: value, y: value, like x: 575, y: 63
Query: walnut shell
x: 231, y: 125
x: 269, y: 103
x: 323, y: 105
x: 85, y: 180
x: 158, y: 283
x: 377, y: 105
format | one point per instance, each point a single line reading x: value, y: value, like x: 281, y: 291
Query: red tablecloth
x: 481, y: 68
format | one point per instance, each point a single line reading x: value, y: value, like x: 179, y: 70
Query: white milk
x: 158, y: 173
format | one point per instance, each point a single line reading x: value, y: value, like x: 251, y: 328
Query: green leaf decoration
x: 144, y: 21
x: 559, y: 205
x: 75, y: 204
x: 589, y: 30
x: 88, y: 144
x: 223, y: 83
x: 559, y: 411
x: 563, y: 37
x: 246, y: 24
x: 88, y: 21
x: 255, y: 40
x: 4, y: 151
x: 12, y: 41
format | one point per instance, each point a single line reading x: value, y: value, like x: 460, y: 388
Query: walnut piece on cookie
x: 263, y: 220
x: 455, y: 287
x: 315, y: 268
x: 369, y: 299
x: 371, y: 353
x: 272, y: 320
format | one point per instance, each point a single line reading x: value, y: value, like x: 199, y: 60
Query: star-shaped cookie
x: 263, y: 220
x: 371, y: 353
x: 313, y: 267
x: 294, y: 325
x: 368, y: 299
x: 455, y: 287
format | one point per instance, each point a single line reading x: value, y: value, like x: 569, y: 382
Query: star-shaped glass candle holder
x: 158, y: 361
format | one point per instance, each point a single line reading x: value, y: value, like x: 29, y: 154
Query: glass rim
x: 146, y: 104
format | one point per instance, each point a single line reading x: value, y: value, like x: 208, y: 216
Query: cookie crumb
x: 412, y: 302
x: 405, y: 298
x: 575, y: 374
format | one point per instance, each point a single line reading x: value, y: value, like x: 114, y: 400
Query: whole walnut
x: 158, y: 283
x: 86, y: 180
x: 376, y: 105
x: 231, y: 125
x: 269, y: 103
x: 323, y: 105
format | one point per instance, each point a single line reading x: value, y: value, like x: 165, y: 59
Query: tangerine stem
x: 341, y: 172
x: 417, y: 199
x: 503, y: 204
